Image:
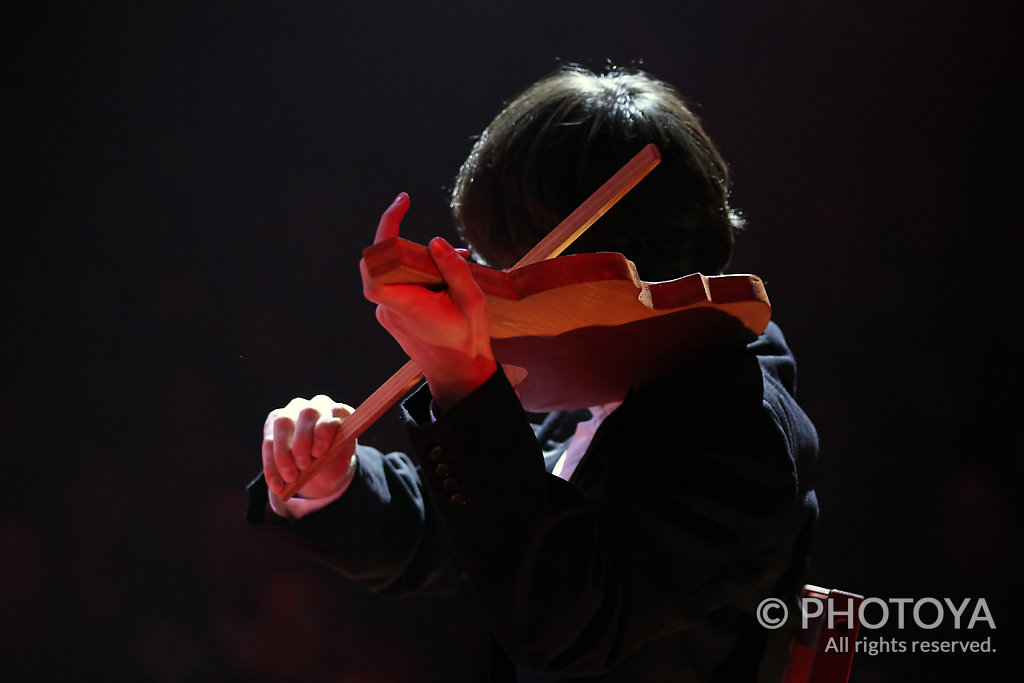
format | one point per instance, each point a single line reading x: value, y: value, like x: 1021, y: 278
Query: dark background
x: 189, y: 189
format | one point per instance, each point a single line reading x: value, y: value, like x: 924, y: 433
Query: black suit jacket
x: 692, y: 504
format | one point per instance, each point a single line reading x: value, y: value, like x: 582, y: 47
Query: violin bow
x: 564, y: 234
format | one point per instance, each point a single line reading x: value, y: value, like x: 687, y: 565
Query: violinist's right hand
x: 295, y: 435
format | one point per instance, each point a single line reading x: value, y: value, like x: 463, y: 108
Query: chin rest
x: 818, y: 653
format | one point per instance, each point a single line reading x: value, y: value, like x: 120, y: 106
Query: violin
x: 575, y: 331
x: 582, y: 330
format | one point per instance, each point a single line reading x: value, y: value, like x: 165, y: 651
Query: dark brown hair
x: 559, y: 140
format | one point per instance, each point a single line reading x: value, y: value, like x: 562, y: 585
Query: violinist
x: 631, y: 542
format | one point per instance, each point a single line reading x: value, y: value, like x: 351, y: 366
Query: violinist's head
x: 559, y: 140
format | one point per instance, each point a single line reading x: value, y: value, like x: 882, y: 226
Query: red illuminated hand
x: 447, y: 333
x: 296, y: 434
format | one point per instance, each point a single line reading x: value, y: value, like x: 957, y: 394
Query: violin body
x: 584, y: 329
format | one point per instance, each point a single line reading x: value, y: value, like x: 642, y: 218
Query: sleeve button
x: 443, y: 471
x: 435, y: 454
x: 458, y: 500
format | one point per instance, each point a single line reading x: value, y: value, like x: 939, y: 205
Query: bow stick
x: 564, y: 234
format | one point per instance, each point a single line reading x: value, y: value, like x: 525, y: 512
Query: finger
x: 328, y: 406
x: 374, y: 292
x: 464, y: 290
x: 331, y: 416
x: 284, y: 428
x: 404, y: 297
x: 323, y: 403
x: 323, y: 434
x: 274, y: 481
x: 268, y: 424
x: 464, y: 253
x: 392, y: 218
x: 302, y: 440
x: 291, y: 410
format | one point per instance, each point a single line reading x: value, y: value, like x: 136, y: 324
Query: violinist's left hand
x: 447, y: 333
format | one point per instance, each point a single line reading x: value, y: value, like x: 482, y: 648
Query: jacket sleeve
x: 380, y: 532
